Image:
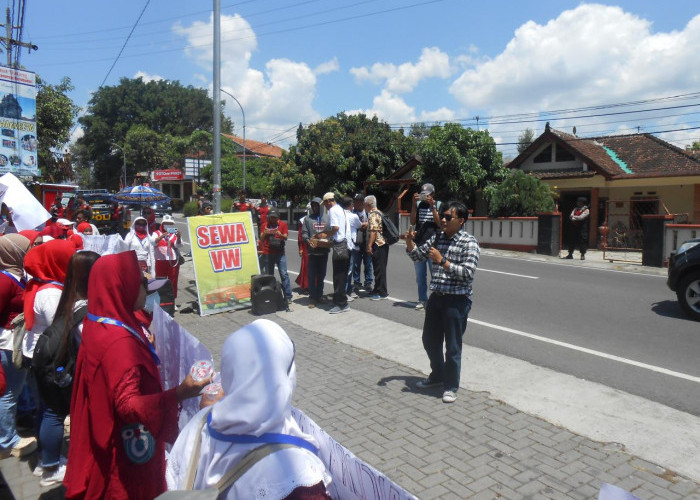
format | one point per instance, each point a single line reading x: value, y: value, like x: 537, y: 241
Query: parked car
x: 684, y: 277
x: 159, y: 207
x: 101, y: 204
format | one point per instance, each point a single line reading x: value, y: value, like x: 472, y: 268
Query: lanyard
x: 20, y: 283
x: 116, y: 322
x: 268, y: 437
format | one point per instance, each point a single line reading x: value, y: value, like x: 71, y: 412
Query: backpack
x: 389, y: 230
x: 55, y: 388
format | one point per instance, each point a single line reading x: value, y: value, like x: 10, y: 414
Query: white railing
x: 676, y: 234
x: 514, y: 233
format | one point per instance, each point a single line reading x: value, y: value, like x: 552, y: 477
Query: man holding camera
x: 454, y: 256
x: 425, y: 218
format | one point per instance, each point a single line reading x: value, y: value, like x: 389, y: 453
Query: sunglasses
x: 447, y: 217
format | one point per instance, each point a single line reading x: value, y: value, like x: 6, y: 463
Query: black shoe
x: 570, y: 256
x: 427, y: 383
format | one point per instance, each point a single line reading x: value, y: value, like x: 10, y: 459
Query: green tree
x: 419, y: 132
x: 519, y: 195
x: 459, y: 161
x: 55, y: 114
x: 694, y: 147
x: 525, y: 139
x: 340, y: 153
x: 163, y: 107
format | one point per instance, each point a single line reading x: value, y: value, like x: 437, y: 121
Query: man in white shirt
x: 354, y: 224
x: 339, y: 235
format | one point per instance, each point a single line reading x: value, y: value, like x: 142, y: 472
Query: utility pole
x: 217, y: 106
x: 9, y: 41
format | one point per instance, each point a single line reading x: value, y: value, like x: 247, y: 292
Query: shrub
x: 190, y: 209
x: 520, y: 195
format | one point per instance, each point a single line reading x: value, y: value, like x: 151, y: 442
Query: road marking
x: 592, y: 352
x: 509, y: 274
x: 566, y: 345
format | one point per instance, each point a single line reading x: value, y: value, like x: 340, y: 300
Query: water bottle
x: 63, y: 378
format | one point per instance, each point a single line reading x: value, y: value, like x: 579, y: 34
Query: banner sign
x: 18, y: 142
x: 224, y: 254
x: 353, y: 479
x: 168, y: 175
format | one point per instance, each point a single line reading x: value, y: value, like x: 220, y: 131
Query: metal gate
x: 622, y: 236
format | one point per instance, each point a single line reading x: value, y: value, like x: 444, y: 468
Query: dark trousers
x: 445, y: 322
x: 380, y: 257
x: 317, y: 273
x: 340, y: 276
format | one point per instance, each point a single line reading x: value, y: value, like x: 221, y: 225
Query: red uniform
x: 120, y: 416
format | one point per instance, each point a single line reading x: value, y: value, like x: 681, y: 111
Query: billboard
x: 18, y: 139
x: 224, y: 254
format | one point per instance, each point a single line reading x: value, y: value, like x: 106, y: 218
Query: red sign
x: 168, y: 175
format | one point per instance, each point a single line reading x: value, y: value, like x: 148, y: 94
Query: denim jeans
x: 445, y: 321
x: 422, y: 267
x: 317, y: 273
x: 281, y: 261
x: 340, y: 277
x: 8, y: 403
x: 51, y: 437
x: 360, y: 258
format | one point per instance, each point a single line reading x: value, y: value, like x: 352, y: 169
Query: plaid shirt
x: 462, y: 251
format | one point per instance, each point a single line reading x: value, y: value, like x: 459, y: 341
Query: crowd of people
x: 78, y: 355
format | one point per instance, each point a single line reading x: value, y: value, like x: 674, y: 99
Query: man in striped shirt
x: 454, y: 256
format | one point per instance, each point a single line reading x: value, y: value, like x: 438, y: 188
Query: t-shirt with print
x: 374, y: 223
x: 276, y: 247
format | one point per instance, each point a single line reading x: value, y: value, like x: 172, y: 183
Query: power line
x: 125, y: 42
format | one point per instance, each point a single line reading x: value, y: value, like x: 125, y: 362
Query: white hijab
x: 143, y: 247
x: 258, y: 375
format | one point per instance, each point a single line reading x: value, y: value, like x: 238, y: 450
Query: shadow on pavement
x: 410, y: 385
x: 669, y: 309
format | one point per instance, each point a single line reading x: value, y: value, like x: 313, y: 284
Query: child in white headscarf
x: 258, y: 376
x: 139, y: 240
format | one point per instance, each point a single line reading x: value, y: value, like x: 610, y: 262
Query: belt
x: 445, y: 294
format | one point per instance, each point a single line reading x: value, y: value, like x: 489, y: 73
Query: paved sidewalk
x: 477, y: 448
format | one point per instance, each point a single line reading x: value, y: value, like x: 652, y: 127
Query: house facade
x: 623, y: 177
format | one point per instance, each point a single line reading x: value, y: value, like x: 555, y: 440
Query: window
x: 545, y: 156
x: 563, y: 154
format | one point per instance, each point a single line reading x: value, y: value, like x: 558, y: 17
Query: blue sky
x: 292, y: 61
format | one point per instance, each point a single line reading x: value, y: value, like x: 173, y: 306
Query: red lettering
x: 225, y: 259
x: 241, y: 234
x: 214, y: 235
x: 202, y: 237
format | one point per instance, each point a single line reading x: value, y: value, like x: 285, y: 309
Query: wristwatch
x: 442, y: 262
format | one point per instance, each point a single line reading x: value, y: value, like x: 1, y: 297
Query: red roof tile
x: 256, y: 147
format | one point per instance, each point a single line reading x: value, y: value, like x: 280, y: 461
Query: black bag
x: 340, y: 250
x: 389, y: 230
x: 266, y: 295
x: 276, y: 244
x: 55, y: 387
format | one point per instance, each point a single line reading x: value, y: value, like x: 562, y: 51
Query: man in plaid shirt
x: 454, y: 256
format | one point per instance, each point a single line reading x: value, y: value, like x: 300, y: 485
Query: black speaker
x: 266, y: 294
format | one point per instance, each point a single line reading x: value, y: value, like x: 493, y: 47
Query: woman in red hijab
x: 120, y: 416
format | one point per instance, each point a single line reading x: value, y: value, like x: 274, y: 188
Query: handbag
x: 341, y: 250
x: 19, y: 331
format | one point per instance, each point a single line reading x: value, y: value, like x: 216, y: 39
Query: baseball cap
x: 65, y: 222
x: 427, y: 189
x: 316, y: 200
x: 358, y: 197
x: 329, y: 196
x: 168, y: 218
x: 273, y: 213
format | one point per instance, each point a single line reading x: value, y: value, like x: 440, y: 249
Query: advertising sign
x: 224, y: 254
x: 18, y: 139
x: 168, y: 175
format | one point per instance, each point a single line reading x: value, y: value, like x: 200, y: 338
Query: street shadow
x: 409, y: 385
x: 405, y: 304
x: 57, y: 493
x: 669, y: 309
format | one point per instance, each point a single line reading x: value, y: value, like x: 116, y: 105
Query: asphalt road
x: 623, y: 330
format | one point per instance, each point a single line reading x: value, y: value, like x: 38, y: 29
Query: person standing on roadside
x: 339, y: 234
x: 273, y: 234
x: 360, y: 256
x: 454, y: 256
x: 425, y: 218
x: 377, y: 248
x: 579, y: 229
x: 354, y: 225
x: 315, y: 229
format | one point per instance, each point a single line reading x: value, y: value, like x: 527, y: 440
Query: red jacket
x: 268, y: 249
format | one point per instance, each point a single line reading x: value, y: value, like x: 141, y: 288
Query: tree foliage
x: 339, y: 154
x: 519, y: 195
x: 134, y: 115
x: 458, y: 161
x: 55, y: 114
x: 525, y: 139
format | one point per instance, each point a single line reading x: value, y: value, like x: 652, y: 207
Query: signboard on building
x: 171, y: 174
x: 224, y: 254
x: 18, y: 139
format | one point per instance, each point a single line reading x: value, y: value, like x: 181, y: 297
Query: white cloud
x: 327, y: 67
x: 589, y: 55
x: 146, y: 77
x: 277, y: 98
x: 76, y: 134
x: 432, y: 63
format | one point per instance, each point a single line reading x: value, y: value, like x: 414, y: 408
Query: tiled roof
x: 256, y: 147
x: 618, y: 156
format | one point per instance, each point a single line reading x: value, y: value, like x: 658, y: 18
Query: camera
x: 423, y: 197
x: 172, y: 230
